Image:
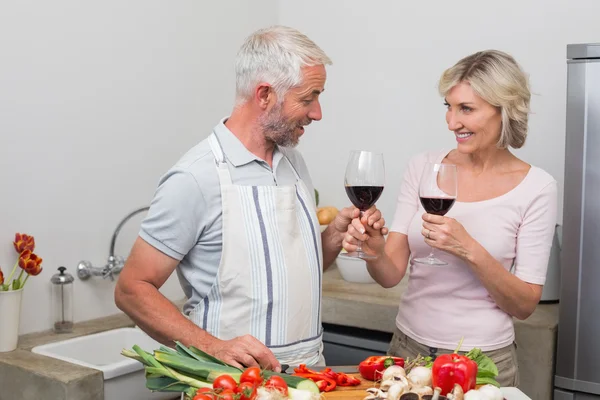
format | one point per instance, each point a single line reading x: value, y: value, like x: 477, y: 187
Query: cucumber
x: 294, y: 382
x: 308, y: 386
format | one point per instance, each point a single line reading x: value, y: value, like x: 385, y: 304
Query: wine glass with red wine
x: 364, y: 180
x: 437, y: 192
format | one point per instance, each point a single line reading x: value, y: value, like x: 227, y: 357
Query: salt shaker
x: 62, y: 301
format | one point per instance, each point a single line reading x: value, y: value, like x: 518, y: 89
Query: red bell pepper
x: 303, y: 369
x: 372, y: 367
x: 324, y: 383
x: 449, y: 369
x: 346, y: 380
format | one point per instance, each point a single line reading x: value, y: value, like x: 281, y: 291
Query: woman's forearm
x: 515, y: 297
x: 385, y: 271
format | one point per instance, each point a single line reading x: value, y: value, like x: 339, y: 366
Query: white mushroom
x: 385, y: 385
x: 393, y: 372
x: 420, y: 376
x: 491, y: 392
x: 422, y: 391
x: 375, y: 394
x: 436, y: 393
x: 474, y: 395
x: 396, y: 390
x: 457, y: 393
x: 409, y: 396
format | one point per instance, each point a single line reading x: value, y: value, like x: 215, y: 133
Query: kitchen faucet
x: 115, y: 264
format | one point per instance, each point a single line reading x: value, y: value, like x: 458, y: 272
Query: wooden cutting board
x: 351, y: 392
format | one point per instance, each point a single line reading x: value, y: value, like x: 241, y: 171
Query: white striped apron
x: 269, y: 278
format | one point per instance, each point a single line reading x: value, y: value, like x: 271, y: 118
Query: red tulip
x: 30, y: 262
x: 1, y: 277
x: 23, y: 242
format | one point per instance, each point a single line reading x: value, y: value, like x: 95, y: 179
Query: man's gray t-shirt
x: 184, y: 220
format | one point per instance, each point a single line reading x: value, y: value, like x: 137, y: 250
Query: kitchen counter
x: 29, y: 376
x: 372, y: 307
x: 25, y: 375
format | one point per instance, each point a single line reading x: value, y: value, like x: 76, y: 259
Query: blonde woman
x: 495, y: 240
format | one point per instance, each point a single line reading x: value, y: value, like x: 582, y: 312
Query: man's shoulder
x: 198, y: 157
x: 197, y: 163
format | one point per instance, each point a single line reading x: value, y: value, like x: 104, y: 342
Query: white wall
x: 388, y: 55
x: 97, y: 100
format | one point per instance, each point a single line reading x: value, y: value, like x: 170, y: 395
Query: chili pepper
x: 449, y: 369
x: 372, y: 367
x: 346, y: 380
x: 329, y: 385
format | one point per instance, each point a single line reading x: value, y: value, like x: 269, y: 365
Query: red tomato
x: 225, y: 382
x: 277, y: 382
x: 247, y: 391
x: 226, y: 394
x: 202, y: 396
x: 252, y: 375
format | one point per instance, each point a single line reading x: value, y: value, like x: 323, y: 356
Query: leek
x: 185, y: 369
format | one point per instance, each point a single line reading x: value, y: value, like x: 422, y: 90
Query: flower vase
x: 10, y: 317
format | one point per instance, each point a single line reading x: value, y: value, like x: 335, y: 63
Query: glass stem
x: 431, y: 256
x: 359, y: 242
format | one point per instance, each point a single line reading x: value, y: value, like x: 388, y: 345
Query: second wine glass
x: 364, y: 181
x: 437, y: 192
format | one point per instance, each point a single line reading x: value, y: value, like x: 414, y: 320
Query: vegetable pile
x: 449, y: 377
x: 201, y: 377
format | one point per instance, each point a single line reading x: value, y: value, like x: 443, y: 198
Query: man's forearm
x: 158, y: 317
x: 332, y: 245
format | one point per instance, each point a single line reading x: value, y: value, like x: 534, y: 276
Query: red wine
x: 363, y: 197
x: 437, y: 205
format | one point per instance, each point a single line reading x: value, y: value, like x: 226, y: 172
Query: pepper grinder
x: 62, y: 301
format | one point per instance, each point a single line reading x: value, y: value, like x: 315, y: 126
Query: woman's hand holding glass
x: 447, y: 234
x: 370, y: 230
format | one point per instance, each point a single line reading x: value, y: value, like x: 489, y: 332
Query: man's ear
x: 265, y: 96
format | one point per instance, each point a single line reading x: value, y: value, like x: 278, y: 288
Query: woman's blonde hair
x: 497, y: 78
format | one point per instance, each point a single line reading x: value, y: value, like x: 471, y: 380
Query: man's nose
x: 315, y: 112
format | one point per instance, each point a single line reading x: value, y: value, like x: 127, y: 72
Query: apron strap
x: 291, y: 165
x: 222, y: 167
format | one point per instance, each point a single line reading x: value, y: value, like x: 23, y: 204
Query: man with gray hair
x: 236, y: 218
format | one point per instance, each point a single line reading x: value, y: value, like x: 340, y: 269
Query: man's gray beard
x: 277, y: 130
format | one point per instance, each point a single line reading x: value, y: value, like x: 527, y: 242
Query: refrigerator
x: 577, y: 375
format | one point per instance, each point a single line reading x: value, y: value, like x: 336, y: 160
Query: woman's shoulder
x: 539, y: 180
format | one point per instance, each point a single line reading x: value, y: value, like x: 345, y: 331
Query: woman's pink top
x: 444, y: 303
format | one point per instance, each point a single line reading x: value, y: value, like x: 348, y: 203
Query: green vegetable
x: 308, y: 385
x: 317, y: 197
x: 486, y: 369
x: 186, y: 369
